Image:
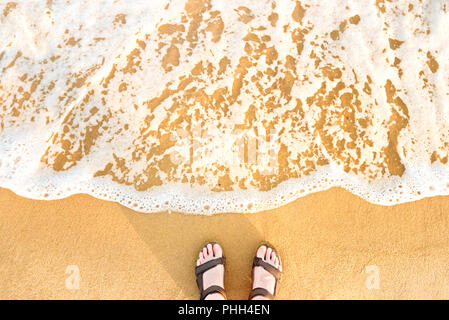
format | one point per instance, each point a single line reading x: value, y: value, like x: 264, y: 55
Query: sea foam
x: 207, y: 106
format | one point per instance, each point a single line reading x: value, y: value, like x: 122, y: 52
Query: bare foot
x: 215, y: 275
x: 262, y: 278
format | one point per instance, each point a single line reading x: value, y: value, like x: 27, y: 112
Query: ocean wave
x: 205, y: 106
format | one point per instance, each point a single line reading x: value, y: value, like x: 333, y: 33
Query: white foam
x: 56, y: 43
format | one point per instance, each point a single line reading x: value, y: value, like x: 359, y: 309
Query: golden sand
x: 326, y: 240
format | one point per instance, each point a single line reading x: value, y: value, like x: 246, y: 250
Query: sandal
x: 276, y: 273
x: 199, y: 270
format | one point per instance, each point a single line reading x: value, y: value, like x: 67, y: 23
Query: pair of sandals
x: 257, y: 262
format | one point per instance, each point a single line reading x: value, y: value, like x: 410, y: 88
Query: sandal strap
x: 260, y: 292
x: 213, y: 289
x: 199, y: 270
x: 258, y: 262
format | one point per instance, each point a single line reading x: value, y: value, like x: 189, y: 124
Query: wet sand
x: 326, y: 241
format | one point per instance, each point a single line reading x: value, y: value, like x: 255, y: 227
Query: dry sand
x: 326, y: 241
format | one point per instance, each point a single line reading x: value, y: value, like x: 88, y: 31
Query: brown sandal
x: 276, y: 273
x: 199, y: 270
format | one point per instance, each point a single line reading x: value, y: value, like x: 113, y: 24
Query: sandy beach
x: 208, y: 106
x: 326, y: 240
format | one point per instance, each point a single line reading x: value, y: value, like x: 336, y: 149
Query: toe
x: 278, y: 263
x: 273, y: 256
x: 209, y: 249
x: 205, y: 252
x: 218, y: 252
x: 200, y: 259
x: 261, y: 252
x: 268, y: 254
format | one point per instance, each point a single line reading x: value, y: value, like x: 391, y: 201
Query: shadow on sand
x: 175, y: 239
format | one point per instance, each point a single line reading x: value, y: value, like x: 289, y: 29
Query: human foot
x: 209, y: 272
x: 266, y: 273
